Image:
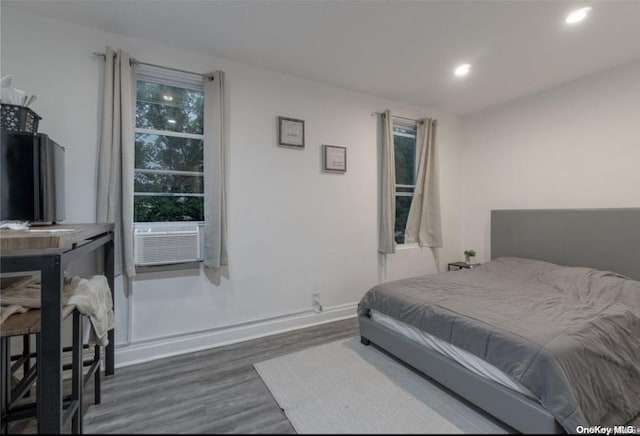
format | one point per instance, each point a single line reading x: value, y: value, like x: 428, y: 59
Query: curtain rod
x: 137, y: 62
x: 396, y: 116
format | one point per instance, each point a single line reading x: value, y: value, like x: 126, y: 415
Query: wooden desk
x: 49, y: 252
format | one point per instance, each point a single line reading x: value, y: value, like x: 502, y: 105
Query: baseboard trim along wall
x: 145, y: 351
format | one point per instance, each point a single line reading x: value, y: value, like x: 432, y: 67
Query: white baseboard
x: 139, y: 352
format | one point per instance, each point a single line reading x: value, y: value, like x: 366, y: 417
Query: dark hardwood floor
x: 207, y: 392
x: 212, y: 391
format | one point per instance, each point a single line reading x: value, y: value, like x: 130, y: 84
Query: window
x: 404, y: 142
x: 168, y: 176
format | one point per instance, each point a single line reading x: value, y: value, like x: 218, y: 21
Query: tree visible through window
x: 404, y: 141
x: 169, y: 178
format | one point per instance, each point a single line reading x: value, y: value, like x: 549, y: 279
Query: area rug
x: 346, y: 387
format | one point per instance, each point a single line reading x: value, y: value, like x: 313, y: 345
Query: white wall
x: 574, y: 146
x: 293, y: 229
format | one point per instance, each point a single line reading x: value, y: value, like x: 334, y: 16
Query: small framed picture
x: 290, y: 132
x: 334, y: 159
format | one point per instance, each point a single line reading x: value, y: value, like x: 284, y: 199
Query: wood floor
x: 212, y: 391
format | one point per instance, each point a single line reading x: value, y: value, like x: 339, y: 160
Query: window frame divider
x: 169, y: 172
x: 171, y: 133
x: 169, y: 194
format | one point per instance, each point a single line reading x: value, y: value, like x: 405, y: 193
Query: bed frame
x: 605, y: 239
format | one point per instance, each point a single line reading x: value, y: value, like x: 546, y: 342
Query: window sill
x: 407, y: 246
x: 145, y: 269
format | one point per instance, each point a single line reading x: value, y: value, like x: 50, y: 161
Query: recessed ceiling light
x: 167, y: 97
x: 578, y: 15
x: 171, y: 121
x: 462, y: 70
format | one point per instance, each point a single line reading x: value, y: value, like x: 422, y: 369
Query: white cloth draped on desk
x: 92, y: 298
x: 7, y: 311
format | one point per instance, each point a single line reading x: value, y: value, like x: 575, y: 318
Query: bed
x: 545, y: 337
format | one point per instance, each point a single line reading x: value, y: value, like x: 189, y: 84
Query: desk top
x: 56, y: 236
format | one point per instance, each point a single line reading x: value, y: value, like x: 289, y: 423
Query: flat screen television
x: 32, y: 178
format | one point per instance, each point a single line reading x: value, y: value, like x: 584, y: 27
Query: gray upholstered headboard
x: 605, y: 239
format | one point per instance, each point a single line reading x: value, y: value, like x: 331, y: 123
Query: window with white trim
x: 404, y: 143
x: 168, y: 176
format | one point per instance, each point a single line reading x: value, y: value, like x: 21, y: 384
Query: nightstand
x: 460, y: 265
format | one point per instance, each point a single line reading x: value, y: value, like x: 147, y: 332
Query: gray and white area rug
x: 346, y: 387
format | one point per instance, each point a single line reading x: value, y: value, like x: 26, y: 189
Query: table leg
x: 5, y: 376
x: 50, y: 348
x: 77, y: 384
x: 26, y: 354
x: 109, y: 271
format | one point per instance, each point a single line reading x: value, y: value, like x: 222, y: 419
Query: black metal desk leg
x: 76, y: 382
x: 5, y: 375
x: 109, y: 271
x: 50, y: 349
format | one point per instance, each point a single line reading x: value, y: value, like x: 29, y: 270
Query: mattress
x: 462, y: 357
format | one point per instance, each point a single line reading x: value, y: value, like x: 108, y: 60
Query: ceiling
x: 402, y: 50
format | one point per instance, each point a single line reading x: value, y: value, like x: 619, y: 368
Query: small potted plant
x: 468, y: 254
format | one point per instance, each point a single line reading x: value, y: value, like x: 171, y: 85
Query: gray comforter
x: 570, y: 335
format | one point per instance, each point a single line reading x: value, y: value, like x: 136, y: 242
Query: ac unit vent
x: 166, y: 244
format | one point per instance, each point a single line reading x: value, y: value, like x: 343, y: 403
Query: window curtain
x: 215, y: 169
x: 116, y: 156
x: 423, y: 224
x: 386, y: 242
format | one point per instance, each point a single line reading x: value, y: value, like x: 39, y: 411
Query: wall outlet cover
x: 315, y: 302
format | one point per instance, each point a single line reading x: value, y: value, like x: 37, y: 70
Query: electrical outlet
x: 315, y: 302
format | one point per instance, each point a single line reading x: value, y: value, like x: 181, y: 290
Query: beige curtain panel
x: 423, y: 224
x: 215, y: 173
x: 116, y: 156
x: 386, y: 242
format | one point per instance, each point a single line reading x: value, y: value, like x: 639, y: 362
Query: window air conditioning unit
x: 166, y: 244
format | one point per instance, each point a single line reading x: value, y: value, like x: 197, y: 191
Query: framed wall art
x: 290, y: 132
x: 334, y: 158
